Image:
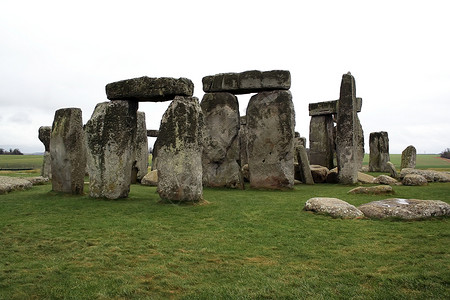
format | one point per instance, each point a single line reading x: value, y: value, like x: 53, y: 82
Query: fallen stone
x: 151, y: 178
x: 365, y: 178
x: 408, y: 157
x: 9, y: 184
x: 430, y: 175
x: 37, y: 180
x: 149, y: 89
x: 319, y: 173
x: 372, y: 190
x: 408, y: 209
x: 414, y: 179
x: 332, y: 176
x: 391, y: 169
x: 333, y: 207
x: 384, y: 179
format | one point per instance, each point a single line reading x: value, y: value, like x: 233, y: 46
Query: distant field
x: 20, y: 161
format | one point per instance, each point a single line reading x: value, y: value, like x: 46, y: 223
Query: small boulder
x: 384, y: 179
x: 391, y: 169
x: 365, y: 178
x: 150, y: 179
x: 333, y: 207
x: 430, y: 175
x: 38, y: 180
x: 332, y: 176
x: 372, y: 190
x: 8, y: 184
x: 319, y: 173
x: 414, y: 179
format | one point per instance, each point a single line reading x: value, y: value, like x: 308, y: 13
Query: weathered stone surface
x: 408, y: 209
x: 414, y: 179
x: 346, y: 150
x: 150, y: 179
x: 332, y: 176
x: 110, y: 138
x: 372, y: 190
x: 9, y: 184
x: 180, y: 151
x: 384, y: 179
x: 270, y: 125
x: 140, y: 162
x: 68, y: 151
x: 245, y: 173
x: 379, y: 151
x: 152, y: 133
x: 409, y: 157
x: 430, y: 175
x: 329, y: 107
x: 322, y: 141
x: 365, y: 178
x: 391, y: 169
x: 37, y: 180
x: 44, y: 136
x: 359, y: 139
x: 221, y: 149
x: 319, y: 173
x: 46, y: 170
x: 304, y: 167
x: 243, y: 141
x: 333, y: 207
x: 247, y: 82
x: 149, y: 89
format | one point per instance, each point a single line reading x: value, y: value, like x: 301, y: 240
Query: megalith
x: 110, y: 139
x: 321, y: 140
x: 304, y: 165
x: 270, y: 126
x: 409, y: 157
x: 180, y: 148
x: 67, y: 151
x: 140, y: 162
x: 44, y: 136
x: 243, y: 141
x: 379, y: 152
x: 346, y: 131
x: 221, y: 149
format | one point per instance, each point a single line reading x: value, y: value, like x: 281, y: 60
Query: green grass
x: 242, y: 245
x: 20, y: 161
x: 423, y: 161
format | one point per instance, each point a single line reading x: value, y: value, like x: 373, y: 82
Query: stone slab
x: 334, y: 207
x: 329, y: 107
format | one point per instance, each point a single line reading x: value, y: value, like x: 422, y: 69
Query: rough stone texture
x: 304, y: 167
x: 37, y: 180
x: 346, y: 131
x: 44, y: 136
x: 319, y: 173
x: 149, y: 89
x: 243, y: 141
x: 430, y: 175
x: 155, y: 155
x: 372, y: 190
x: 247, y: 82
x: 408, y: 209
x: 270, y: 125
x: 379, y: 151
x: 391, y: 169
x: 110, y: 138
x: 384, y: 179
x: 152, y: 133
x: 67, y: 151
x: 221, y: 148
x: 150, y: 179
x: 180, y: 151
x: 359, y: 137
x: 333, y: 207
x: 332, y: 176
x: 140, y: 162
x: 322, y: 141
x: 245, y: 173
x: 329, y: 107
x: 9, y: 184
x: 365, y: 178
x: 46, y: 170
x: 414, y: 180
x: 409, y: 157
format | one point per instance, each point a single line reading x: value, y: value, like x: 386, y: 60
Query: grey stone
x: 379, y: 151
x: 180, y: 151
x: 372, y: 190
x: 221, y: 149
x: 359, y: 139
x: 110, y: 138
x: 329, y: 107
x: 384, y: 179
x: 243, y: 141
x: 152, y: 133
x: 332, y: 176
x: 46, y: 170
x: 67, y: 151
x: 408, y: 158
x: 322, y: 141
x: 365, y: 178
x: 149, y: 89
x: 391, y: 169
x: 414, y: 180
x: 150, y: 179
x: 333, y: 207
x: 247, y: 82
x: 319, y: 173
x: 9, y: 184
x: 304, y: 167
x: 44, y: 136
x: 140, y: 162
x: 37, y: 180
x: 408, y: 209
x: 430, y: 175
x: 245, y: 173
x: 270, y: 125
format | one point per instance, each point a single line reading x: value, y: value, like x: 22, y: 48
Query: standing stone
x: 110, y: 138
x: 304, y: 167
x: 270, y: 125
x: 243, y: 141
x: 180, y: 148
x: 409, y: 157
x: 359, y: 143
x: 140, y: 163
x: 221, y: 147
x: 67, y: 151
x: 346, y: 131
x: 379, y: 152
x: 321, y: 141
x: 44, y: 136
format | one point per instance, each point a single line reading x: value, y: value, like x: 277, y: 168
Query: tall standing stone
x: 270, y: 125
x: 321, y: 141
x: 140, y: 163
x: 180, y: 148
x: 243, y: 141
x: 67, y: 151
x: 110, y: 137
x: 44, y: 136
x: 221, y: 147
x: 409, y: 157
x: 359, y: 143
x: 379, y: 151
x: 346, y: 131
x: 304, y: 165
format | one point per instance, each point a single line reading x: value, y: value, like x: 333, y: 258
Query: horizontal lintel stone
x: 152, y: 132
x: 329, y: 107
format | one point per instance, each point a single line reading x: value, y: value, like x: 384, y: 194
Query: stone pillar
x: 346, y: 132
x: 270, y: 125
x: 44, y: 136
x: 140, y: 163
x: 409, y: 157
x: 304, y: 166
x: 221, y: 148
x: 243, y: 141
x: 359, y: 143
x: 110, y: 139
x: 67, y: 151
x: 180, y: 148
x: 321, y: 141
x: 379, y: 152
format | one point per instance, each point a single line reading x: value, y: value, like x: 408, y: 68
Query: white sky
x: 57, y: 54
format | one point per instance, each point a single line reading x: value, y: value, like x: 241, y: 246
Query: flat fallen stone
x: 319, y: 173
x: 149, y: 89
x: 247, y: 82
x: 414, y: 180
x: 384, y: 179
x: 430, y: 175
x: 365, y: 178
x: 9, y: 184
x: 408, y: 209
x: 37, y: 180
x: 333, y: 207
x: 372, y: 190
x: 151, y: 178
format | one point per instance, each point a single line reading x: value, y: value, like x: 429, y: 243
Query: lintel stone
x: 329, y: 107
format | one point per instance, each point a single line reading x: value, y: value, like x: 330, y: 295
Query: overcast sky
x: 58, y: 54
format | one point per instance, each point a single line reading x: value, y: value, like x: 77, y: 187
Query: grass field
x: 20, y: 161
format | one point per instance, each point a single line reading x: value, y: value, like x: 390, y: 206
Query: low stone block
x: 9, y: 184
x: 414, y: 180
x: 150, y: 179
x: 333, y: 207
x: 319, y: 173
x: 430, y: 175
x: 365, y: 178
x: 372, y: 190
x: 384, y: 179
